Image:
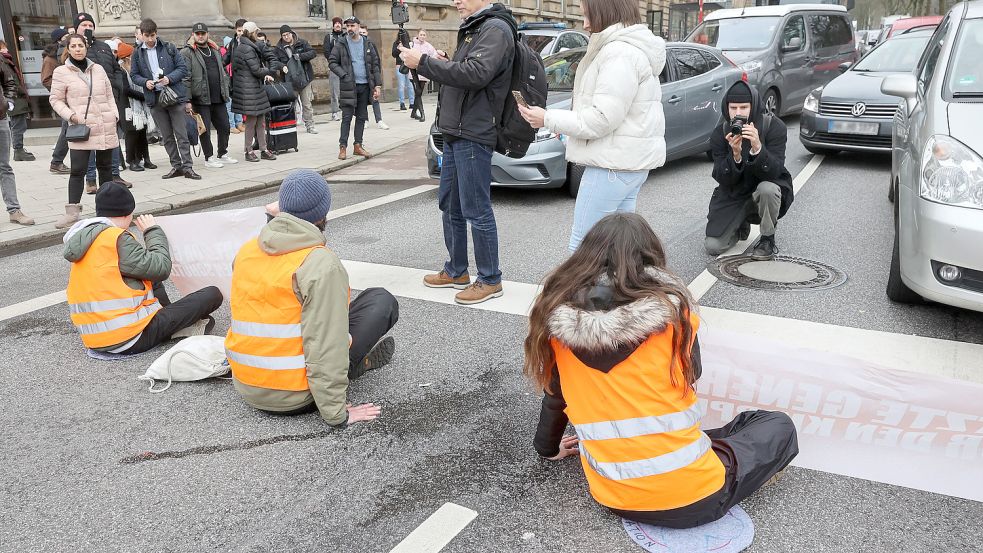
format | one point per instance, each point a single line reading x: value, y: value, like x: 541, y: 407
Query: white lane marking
x: 30, y: 305
x: 702, y: 284
x: 383, y: 200
x: 437, y: 531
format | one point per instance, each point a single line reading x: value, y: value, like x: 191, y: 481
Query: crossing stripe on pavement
x: 437, y: 531
x: 31, y: 305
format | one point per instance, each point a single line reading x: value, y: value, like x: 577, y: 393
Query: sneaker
x: 18, y: 217
x: 402, y: 106
x: 198, y: 328
x: 148, y: 165
x: 123, y: 181
x: 380, y: 356
x: 213, y: 163
x: 478, y: 292
x: 335, y: 117
x: 251, y: 157
x: 765, y: 249
x: 226, y: 160
x: 382, y: 125
x: 444, y: 280
x: 311, y: 130
x: 268, y: 155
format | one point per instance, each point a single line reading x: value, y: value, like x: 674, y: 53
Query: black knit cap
x: 740, y: 93
x: 84, y: 17
x: 285, y: 29
x: 114, y: 200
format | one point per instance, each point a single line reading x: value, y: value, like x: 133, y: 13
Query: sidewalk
x: 43, y: 195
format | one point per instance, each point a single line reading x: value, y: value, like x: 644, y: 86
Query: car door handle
x: 717, y: 87
x: 674, y: 100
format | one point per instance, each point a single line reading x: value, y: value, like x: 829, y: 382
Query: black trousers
x: 752, y: 447
x: 360, y: 112
x: 217, y: 117
x: 175, y: 316
x: 137, y: 147
x: 80, y: 164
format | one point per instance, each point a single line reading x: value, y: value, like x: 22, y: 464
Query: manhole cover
x: 781, y: 273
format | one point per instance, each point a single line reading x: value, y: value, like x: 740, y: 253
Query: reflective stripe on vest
x: 104, y: 309
x: 675, y: 460
x: 629, y: 428
x: 265, y: 345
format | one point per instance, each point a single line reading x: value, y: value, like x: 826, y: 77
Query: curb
x: 154, y: 207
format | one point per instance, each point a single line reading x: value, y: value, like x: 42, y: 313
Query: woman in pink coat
x: 70, y: 86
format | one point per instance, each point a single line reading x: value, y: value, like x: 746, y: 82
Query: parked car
x: 851, y: 112
x: 910, y: 23
x: 937, y: 167
x: 694, y: 82
x: 786, y: 50
x: 551, y: 38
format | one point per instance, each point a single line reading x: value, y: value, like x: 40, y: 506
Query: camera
x: 400, y: 13
x: 737, y: 125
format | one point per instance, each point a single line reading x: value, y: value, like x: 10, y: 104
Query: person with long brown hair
x: 612, y: 341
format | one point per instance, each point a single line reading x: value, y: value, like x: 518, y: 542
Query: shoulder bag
x: 79, y: 132
x: 279, y: 93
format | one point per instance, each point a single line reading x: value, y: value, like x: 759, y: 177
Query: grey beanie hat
x: 305, y: 195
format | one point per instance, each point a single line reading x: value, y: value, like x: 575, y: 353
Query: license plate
x: 854, y: 127
x: 440, y: 162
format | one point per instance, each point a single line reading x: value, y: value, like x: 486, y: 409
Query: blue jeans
x: 465, y: 197
x: 234, y: 118
x: 90, y: 172
x: 603, y: 192
x: 404, y: 85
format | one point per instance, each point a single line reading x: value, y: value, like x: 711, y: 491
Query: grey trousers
x: 335, y: 82
x: 766, y: 202
x: 8, y: 186
x: 18, y: 126
x: 306, y: 99
x: 173, y: 128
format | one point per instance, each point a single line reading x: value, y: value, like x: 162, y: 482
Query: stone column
x: 174, y: 18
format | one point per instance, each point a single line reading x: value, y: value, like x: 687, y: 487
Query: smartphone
x: 519, y: 99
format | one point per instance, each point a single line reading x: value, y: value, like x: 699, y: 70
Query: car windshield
x: 537, y: 42
x: 897, y: 55
x: 742, y: 33
x: 966, y: 69
x: 562, y: 68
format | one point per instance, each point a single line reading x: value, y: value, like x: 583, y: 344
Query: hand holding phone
x: 519, y: 99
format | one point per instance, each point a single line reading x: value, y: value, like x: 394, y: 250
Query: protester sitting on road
x: 208, y: 86
x: 8, y: 185
x: 472, y: 97
x: 253, y: 65
x: 616, y: 125
x: 115, y: 290
x: 357, y: 65
x: 613, y: 342
x: 292, y: 46
x: 754, y: 187
x: 73, y: 101
x: 295, y: 342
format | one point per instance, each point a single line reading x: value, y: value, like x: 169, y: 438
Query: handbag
x: 199, y: 123
x: 194, y: 358
x: 192, y: 124
x: 279, y: 93
x: 167, y: 97
x: 297, y: 75
x: 79, y: 132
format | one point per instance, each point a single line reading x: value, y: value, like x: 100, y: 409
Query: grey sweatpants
x: 335, y: 82
x: 8, y: 186
x: 173, y: 125
x: 766, y: 202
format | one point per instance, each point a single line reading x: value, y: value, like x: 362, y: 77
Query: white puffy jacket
x: 616, y: 119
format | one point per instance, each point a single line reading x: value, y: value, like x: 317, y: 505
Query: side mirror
x: 904, y: 86
x: 793, y: 44
x: 844, y: 66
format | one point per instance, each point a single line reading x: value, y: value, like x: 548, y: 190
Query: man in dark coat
x: 293, y: 47
x: 358, y: 67
x: 337, y: 31
x: 754, y: 187
x: 208, y: 85
x: 21, y: 113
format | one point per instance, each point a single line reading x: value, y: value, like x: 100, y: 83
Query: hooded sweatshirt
x: 321, y: 286
x: 616, y: 120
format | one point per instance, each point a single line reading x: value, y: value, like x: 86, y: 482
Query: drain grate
x: 782, y: 273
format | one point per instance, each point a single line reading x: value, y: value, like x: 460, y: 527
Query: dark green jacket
x: 197, y: 80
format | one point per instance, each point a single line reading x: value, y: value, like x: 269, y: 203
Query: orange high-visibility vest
x: 103, y: 308
x: 641, y: 446
x: 264, y: 344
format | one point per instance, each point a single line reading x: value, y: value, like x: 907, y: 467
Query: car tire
x: 897, y: 290
x: 575, y: 173
x: 821, y: 151
x: 891, y: 193
x: 772, y: 102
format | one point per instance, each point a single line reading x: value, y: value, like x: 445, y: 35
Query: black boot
x: 765, y: 249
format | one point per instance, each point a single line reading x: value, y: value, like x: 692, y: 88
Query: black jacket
x: 329, y: 40
x: 302, y: 49
x: 101, y: 53
x: 197, y: 79
x: 10, y: 84
x: 172, y: 65
x: 250, y: 65
x: 474, y: 84
x: 736, y: 183
x: 340, y: 63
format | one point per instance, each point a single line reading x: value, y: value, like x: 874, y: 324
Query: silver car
x: 937, y: 167
x: 694, y: 82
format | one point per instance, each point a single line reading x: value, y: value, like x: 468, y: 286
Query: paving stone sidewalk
x: 43, y: 195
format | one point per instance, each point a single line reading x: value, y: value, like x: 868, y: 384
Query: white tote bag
x: 194, y: 358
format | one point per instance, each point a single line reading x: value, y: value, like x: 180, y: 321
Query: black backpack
x: 528, y: 77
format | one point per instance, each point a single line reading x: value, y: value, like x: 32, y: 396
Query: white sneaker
x: 228, y: 160
x: 213, y: 163
x: 335, y: 117
x: 196, y: 329
x: 383, y: 125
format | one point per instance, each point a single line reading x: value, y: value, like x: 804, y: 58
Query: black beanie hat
x: 740, y: 93
x: 84, y: 17
x: 285, y: 29
x: 114, y: 200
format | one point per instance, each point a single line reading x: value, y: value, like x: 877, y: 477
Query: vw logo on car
x: 859, y: 109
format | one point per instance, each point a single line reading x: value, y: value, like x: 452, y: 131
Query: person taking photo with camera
x: 754, y: 187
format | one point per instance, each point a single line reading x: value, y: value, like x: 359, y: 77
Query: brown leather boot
x: 360, y: 151
x: 478, y: 292
x: 343, y: 152
x: 19, y: 218
x: 444, y: 280
x: 71, y: 216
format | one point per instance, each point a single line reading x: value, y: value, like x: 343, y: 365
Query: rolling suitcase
x: 281, y: 128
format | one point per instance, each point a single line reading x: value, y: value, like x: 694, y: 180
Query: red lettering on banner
x: 962, y: 446
x: 891, y: 412
x: 845, y: 405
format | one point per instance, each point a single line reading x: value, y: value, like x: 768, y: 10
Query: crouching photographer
x: 754, y: 187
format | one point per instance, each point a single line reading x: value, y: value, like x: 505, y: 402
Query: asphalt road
x: 223, y: 477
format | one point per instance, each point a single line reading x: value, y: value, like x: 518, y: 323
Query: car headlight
x: 951, y: 173
x: 751, y: 66
x: 544, y: 134
x: 812, y: 100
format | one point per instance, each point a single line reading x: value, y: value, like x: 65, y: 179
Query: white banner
x: 853, y: 418
x: 203, y: 245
